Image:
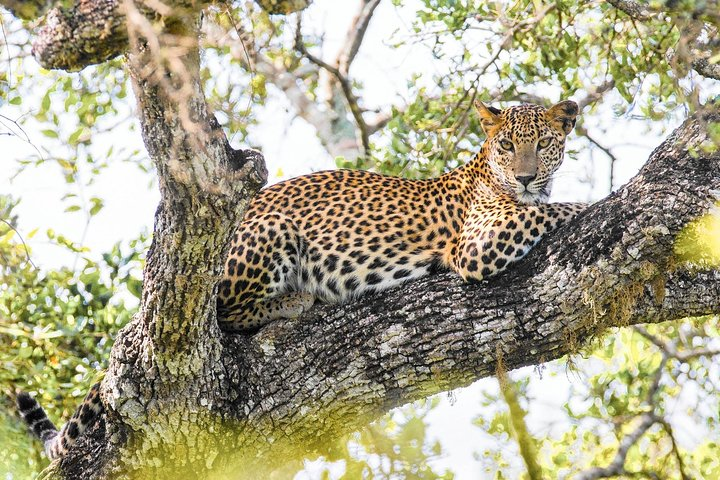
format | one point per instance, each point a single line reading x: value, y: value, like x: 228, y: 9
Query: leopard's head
x: 525, y: 145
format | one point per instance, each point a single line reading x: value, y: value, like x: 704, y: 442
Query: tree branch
x: 287, y: 81
x: 676, y: 450
x: 617, y: 466
x: 632, y: 8
x: 93, y: 31
x: 595, y: 94
x: 691, y: 20
x: 355, y: 35
x: 669, y: 350
x: 345, y: 85
x: 87, y: 33
x: 283, y: 7
x: 581, y: 130
x: 611, y: 267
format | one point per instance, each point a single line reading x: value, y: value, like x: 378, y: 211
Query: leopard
x: 333, y: 236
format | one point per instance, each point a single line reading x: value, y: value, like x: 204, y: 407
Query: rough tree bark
x: 184, y: 399
x: 293, y: 387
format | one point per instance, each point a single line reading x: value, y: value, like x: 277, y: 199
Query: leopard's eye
x: 507, y: 145
x: 543, y: 143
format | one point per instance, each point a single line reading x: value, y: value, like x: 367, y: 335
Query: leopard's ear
x: 562, y: 115
x: 489, y: 117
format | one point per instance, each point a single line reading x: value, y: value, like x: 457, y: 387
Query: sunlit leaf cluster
x: 57, y: 327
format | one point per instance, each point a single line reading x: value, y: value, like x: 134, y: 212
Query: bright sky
x: 130, y: 202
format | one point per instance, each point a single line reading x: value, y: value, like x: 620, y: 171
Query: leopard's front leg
x: 493, y: 239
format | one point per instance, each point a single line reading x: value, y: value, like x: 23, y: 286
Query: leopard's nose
x: 525, y: 179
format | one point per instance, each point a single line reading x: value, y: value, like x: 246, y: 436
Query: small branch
x: 605, y: 150
x: 671, y: 351
x: 704, y: 16
x: 525, y: 441
x: 611, y: 156
x: 382, y: 120
x: 617, y: 466
x: 355, y: 35
x: 523, y: 97
x: 634, y: 9
x: 283, y: 7
x: 596, y: 94
x: 345, y: 85
x: 676, y: 450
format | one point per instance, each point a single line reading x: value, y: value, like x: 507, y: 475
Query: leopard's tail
x: 57, y: 443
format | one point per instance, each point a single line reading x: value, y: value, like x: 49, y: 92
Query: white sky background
x: 290, y: 145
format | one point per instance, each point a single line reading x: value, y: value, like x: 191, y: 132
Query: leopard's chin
x: 527, y: 197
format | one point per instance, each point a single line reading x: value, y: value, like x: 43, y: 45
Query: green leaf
x: 50, y: 133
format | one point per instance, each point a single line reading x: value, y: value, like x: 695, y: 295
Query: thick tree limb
x: 612, y: 267
x: 205, y: 186
x: 87, y: 33
x: 290, y: 389
x: 93, y: 31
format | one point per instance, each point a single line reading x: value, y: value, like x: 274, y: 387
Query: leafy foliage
x: 664, y: 370
x: 395, y: 447
x: 57, y: 328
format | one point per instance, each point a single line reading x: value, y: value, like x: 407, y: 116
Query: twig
x: 671, y: 350
x: 381, y: 121
x: 344, y: 82
x: 596, y: 94
x: 613, y: 159
x: 355, y: 35
x: 24, y: 133
x: 27, y: 252
x: 617, y: 466
x: 675, y: 448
